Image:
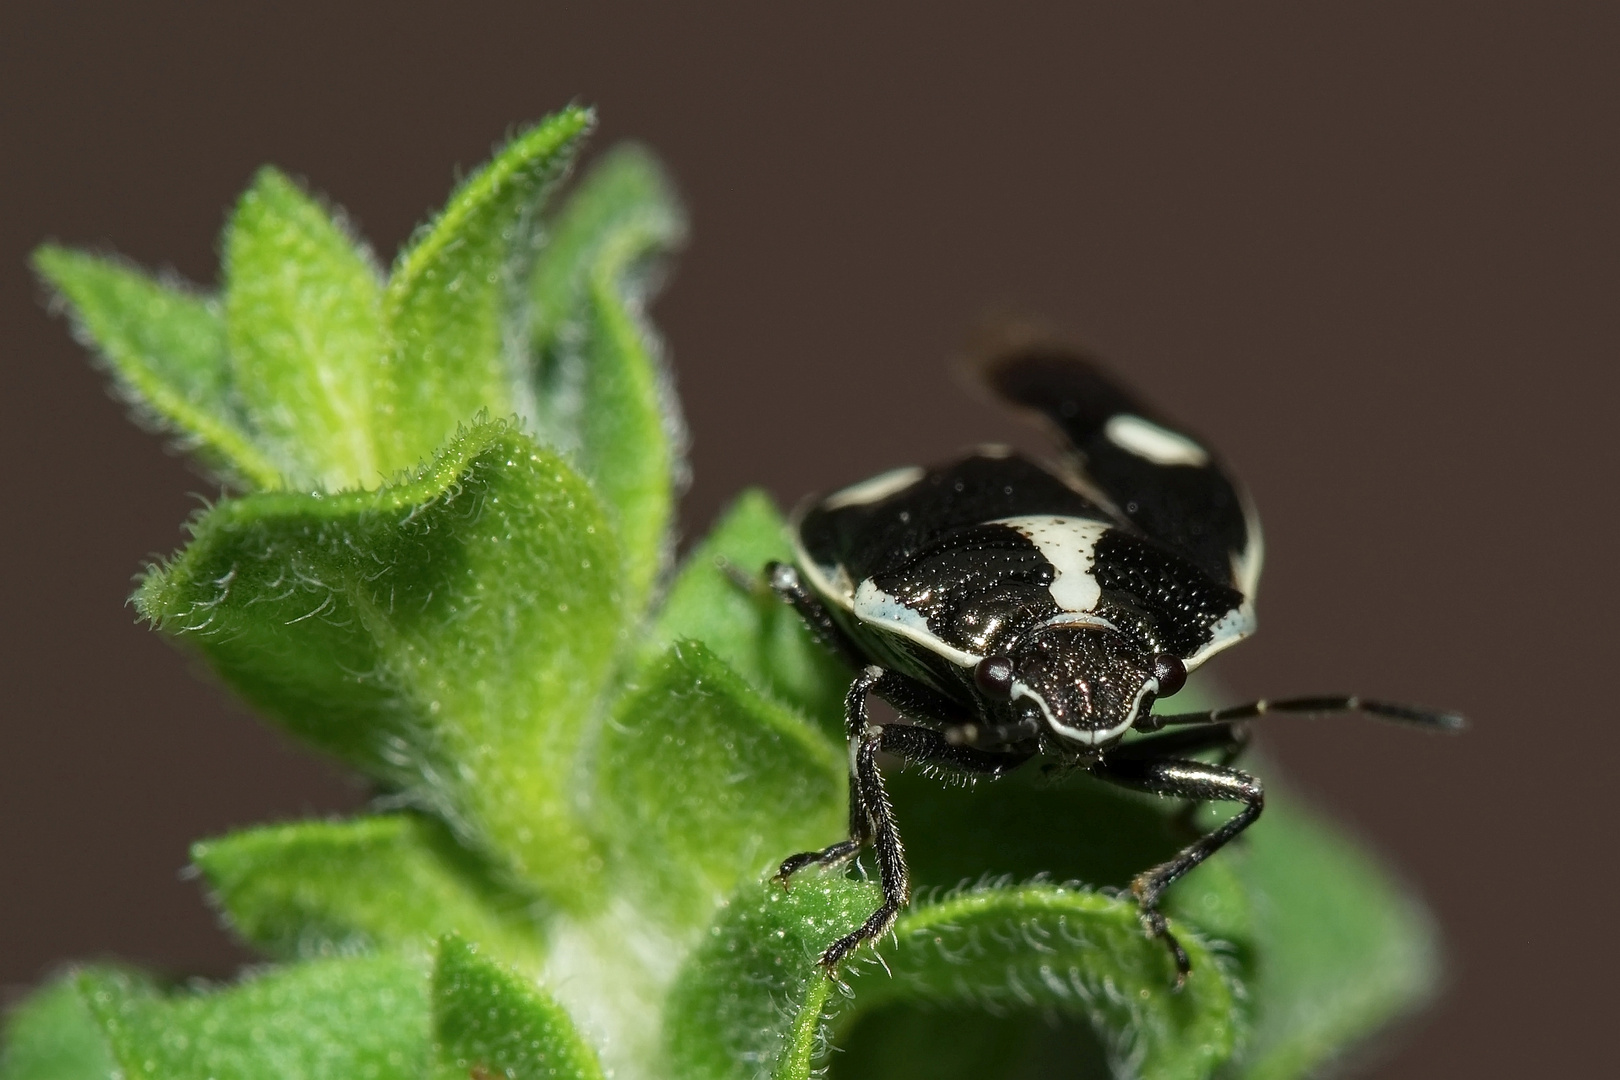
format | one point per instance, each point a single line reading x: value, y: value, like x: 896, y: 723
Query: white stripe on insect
x: 1148, y: 440
x: 877, y: 608
x: 877, y: 489
x: 1070, y: 545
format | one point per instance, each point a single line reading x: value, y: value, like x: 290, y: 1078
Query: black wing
x: 1166, y: 482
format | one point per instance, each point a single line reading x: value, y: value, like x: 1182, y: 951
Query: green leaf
x: 324, y: 1020
x: 454, y: 308
x: 52, y: 1036
x: 749, y: 1001
x: 322, y: 888
x: 1048, y: 947
x: 489, y: 1021
x: 450, y: 635
x: 704, y: 782
x: 166, y: 349
x: 1340, y: 949
x: 754, y: 632
x: 623, y: 211
x: 303, y: 312
x: 603, y: 394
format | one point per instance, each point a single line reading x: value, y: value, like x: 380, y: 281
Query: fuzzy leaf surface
x: 394, y: 881
x: 749, y: 1001
x: 1045, y: 947
x: 449, y: 635
x: 603, y: 393
x: 304, y: 320
x: 754, y: 632
x: 166, y: 347
x: 323, y: 1020
x: 491, y: 1021
x: 704, y: 782
x: 52, y: 1036
x: 454, y: 311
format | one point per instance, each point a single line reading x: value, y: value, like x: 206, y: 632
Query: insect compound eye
x: 994, y: 676
x: 1170, y: 672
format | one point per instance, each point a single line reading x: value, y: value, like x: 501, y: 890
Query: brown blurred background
x: 1369, y: 250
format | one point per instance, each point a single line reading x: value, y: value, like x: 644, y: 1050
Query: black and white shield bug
x: 1009, y: 608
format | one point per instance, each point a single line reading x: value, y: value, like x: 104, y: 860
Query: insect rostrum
x: 1010, y: 609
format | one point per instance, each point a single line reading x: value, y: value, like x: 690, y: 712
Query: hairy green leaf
x: 454, y: 312
x: 753, y: 631
x: 322, y: 888
x: 602, y: 391
x: 749, y: 1001
x: 489, y: 1021
x: 322, y: 1020
x: 52, y: 1036
x: 1048, y: 947
x: 304, y: 320
x: 166, y: 348
x: 1340, y: 949
x: 449, y: 635
x: 624, y: 210
x: 704, y: 782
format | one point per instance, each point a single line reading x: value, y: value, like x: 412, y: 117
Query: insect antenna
x: 1321, y: 705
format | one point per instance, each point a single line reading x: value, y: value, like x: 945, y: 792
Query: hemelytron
x: 1010, y: 608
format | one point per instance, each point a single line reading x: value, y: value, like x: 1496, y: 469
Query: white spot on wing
x: 1232, y: 628
x: 877, y: 489
x: 875, y: 607
x: 1148, y: 440
x: 1070, y: 545
x: 1246, y: 564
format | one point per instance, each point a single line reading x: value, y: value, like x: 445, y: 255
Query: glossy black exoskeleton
x: 1010, y: 608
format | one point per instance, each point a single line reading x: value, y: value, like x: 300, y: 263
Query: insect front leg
x: 891, y: 856
x: 927, y: 747
x: 1181, y: 778
x: 871, y: 817
x: 860, y: 829
x: 1228, y: 739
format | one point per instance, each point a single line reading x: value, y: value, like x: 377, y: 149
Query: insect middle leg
x: 1181, y: 778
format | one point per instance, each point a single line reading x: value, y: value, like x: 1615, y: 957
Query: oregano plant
x: 446, y: 559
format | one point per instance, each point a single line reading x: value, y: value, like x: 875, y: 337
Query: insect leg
x: 1182, y: 779
x: 860, y: 829
x: 892, y: 872
x: 1230, y: 739
x: 1323, y: 704
x: 928, y: 747
x: 784, y: 581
